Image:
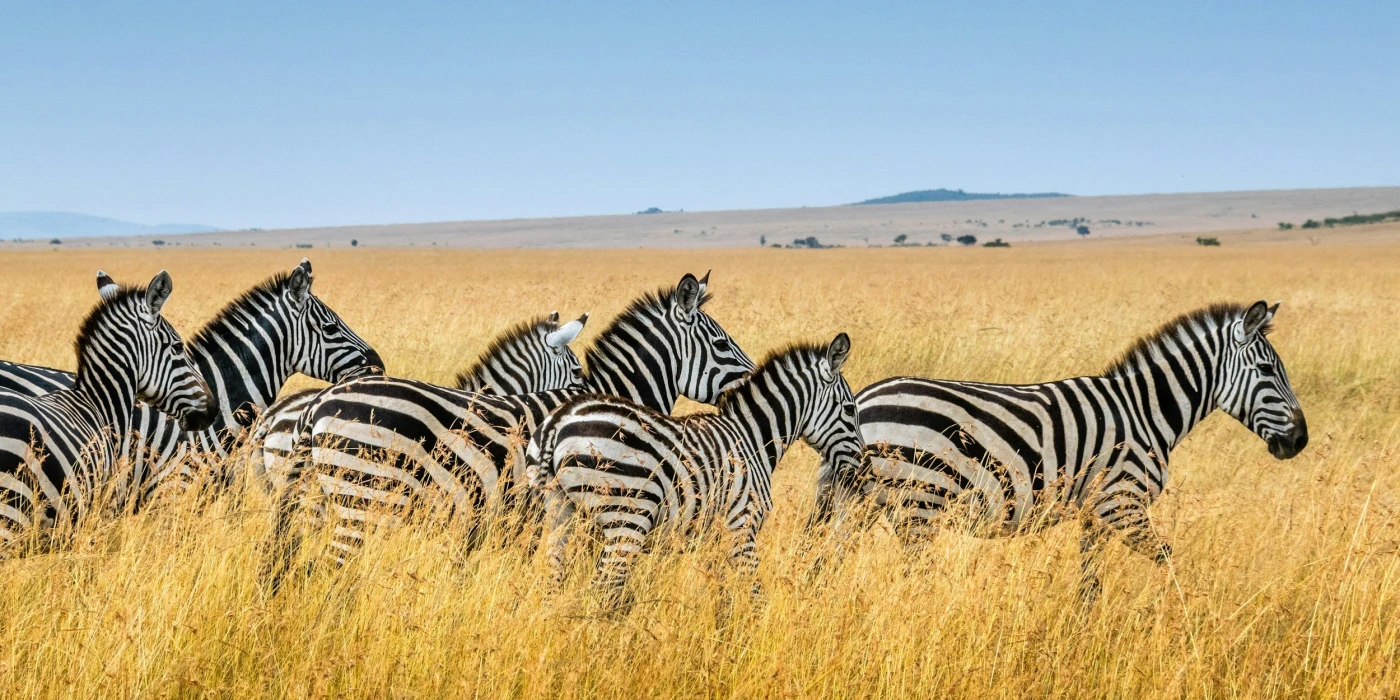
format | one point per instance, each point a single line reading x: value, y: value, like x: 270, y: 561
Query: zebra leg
x: 743, y: 554
x: 559, y: 512
x: 851, y: 512
x: 283, y: 544
x: 1138, y: 534
x: 622, y: 540
x: 1091, y: 543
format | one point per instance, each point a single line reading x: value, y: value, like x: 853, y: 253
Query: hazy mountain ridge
x: 946, y: 195
x: 60, y: 224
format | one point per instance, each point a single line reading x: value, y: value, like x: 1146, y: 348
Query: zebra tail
x: 539, y: 456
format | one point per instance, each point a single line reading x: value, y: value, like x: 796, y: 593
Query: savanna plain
x: 1285, y: 579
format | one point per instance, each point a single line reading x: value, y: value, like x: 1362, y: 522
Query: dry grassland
x: 1285, y: 581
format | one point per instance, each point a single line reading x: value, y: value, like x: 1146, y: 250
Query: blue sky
x: 253, y: 114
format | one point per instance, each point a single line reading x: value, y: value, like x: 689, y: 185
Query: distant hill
x: 942, y: 195
x: 61, y: 224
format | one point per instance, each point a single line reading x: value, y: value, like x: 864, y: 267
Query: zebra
x: 58, y: 452
x: 1024, y: 457
x: 531, y: 357
x: 246, y: 353
x: 467, y: 445
x: 631, y: 470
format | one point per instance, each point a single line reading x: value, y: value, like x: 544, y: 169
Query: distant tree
x: 1311, y: 224
x: 763, y: 240
x: 967, y: 239
x: 1284, y: 226
x: 946, y: 237
x: 55, y: 242
x: 1212, y: 241
x: 998, y: 243
x: 354, y: 242
x: 1082, y: 230
x: 901, y: 238
x: 651, y: 210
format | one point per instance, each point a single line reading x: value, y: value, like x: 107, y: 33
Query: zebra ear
x: 705, y: 283
x: 1254, y: 319
x: 158, y: 291
x: 566, y: 333
x: 305, y: 265
x: 106, y: 286
x: 299, y: 284
x: 686, y: 298
x: 837, y: 352
x: 554, y: 317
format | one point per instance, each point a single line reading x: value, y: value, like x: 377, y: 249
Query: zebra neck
x: 1171, y: 388
x: 242, y: 368
x: 110, y: 388
x: 638, y: 366
x: 768, y: 420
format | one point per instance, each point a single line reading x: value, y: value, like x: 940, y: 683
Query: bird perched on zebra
x: 58, y: 452
x: 247, y: 352
x: 531, y: 357
x: 371, y: 447
x: 630, y: 470
x: 1023, y: 457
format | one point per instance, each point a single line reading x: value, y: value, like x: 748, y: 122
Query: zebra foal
x: 1024, y: 457
x: 58, y: 451
x: 630, y: 470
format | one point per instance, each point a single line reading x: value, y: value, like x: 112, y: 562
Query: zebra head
x: 136, y: 335
x: 831, y: 427
x: 532, y: 357
x: 1252, y: 386
x: 711, y: 362
x: 321, y: 344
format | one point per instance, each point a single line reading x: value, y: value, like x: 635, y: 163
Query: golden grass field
x: 1285, y: 581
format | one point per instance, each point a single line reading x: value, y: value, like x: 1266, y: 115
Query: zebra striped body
x: 246, y: 353
x: 631, y: 469
x: 1091, y: 448
x: 467, y: 445
x: 531, y: 357
x: 58, y: 451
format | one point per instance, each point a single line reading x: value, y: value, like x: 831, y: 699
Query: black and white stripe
x: 371, y: 446
x: 529, y: 358
x: 631, y: 470
x: 58, y: 452
x: 1092, y: 448
x: 246, y: 353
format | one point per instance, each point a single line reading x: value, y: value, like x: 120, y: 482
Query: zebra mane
x: 270, y: 286
x: 1213, y: 316
x: 98, y: 312
x: 516, y: 333
x: 771, y: 363
x: 646, y: 304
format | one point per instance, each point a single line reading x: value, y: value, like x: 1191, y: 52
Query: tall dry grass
x: 1284, y: 580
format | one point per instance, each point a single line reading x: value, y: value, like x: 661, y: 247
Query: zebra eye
x: 1266, y: 369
